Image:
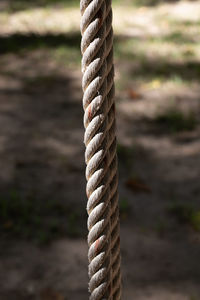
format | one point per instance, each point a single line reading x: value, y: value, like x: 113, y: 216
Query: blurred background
x: 43, y: 249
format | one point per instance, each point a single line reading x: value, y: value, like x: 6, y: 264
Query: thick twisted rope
x: 100, y: 155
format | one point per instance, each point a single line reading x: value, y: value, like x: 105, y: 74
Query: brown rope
x: 100, y: 155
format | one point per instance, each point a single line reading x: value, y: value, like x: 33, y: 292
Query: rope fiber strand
x: 100, y: 155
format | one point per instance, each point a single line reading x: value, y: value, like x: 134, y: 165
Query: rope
x: 100, y: 154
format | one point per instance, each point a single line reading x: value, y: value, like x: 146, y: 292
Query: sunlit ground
x: 161, y: 43
x: 42, y: 184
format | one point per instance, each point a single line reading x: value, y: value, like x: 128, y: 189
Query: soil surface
x: 42, y: 161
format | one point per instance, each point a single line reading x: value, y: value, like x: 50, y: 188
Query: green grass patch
x: 19, y: 5
x: 161, y: 227
x: 63, y: 48
x: 178, y: 37
x: 128, y: 49
x: 67, y: 55
x: 138, y: 2
x: 124, y: 207
x: 180, y: 65
x: 40, y: 221
x: 176, y: 121
x: 125, y: 156
x: 185, y: 214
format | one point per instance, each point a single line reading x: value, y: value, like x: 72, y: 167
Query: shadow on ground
x: 19, y: 42
x: 138, y: 68
x: 19, y: 5
x: 43, y: 186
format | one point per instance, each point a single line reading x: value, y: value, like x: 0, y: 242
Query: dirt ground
x: 43, y: 249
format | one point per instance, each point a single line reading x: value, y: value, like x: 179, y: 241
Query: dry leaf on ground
x: 50, y: 294
x: 132, y: 94
x: 138, y: 185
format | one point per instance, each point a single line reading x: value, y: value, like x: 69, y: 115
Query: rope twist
x: 100, y: 154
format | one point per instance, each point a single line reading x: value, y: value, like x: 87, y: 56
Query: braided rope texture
x: 100, y: 154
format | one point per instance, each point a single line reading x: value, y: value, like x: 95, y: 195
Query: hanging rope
x: 100, y: 155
